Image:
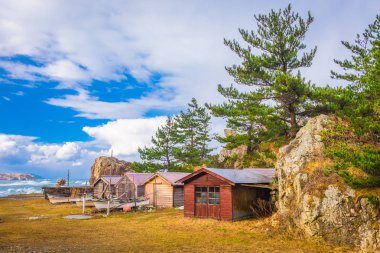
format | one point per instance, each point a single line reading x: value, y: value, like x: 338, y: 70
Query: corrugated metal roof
x: 246, y: 176
x: 172, y: 177
x: 139, y: 178
x: 114, y: 179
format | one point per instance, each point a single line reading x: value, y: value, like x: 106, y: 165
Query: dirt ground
x: 164, y: 230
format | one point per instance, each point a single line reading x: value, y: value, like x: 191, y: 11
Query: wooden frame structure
x: 225, y: 194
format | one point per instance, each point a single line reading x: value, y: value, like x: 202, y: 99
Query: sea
x: 9, y: 187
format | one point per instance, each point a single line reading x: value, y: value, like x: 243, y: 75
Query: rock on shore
x: 105, y: 165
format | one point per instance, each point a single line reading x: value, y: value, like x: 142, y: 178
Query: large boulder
x: 105, y: 165
x: 318, y: 203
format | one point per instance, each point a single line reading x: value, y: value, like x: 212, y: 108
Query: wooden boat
x: 102, y: 204
x: 55, y: 199
x: 88, y: 203
x: 137, y: 203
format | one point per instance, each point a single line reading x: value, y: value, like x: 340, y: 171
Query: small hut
x: 162, y: 190
x: 137, y: 179
x: 103, y: 185
x: 225, y: 194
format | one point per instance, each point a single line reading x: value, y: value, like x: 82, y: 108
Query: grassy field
x: 160, y: 231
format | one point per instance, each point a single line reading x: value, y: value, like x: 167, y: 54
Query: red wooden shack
x: 225, y: 194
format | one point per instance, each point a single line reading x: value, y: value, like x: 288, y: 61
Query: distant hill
x: 36, y: 176
x: 17, y: 176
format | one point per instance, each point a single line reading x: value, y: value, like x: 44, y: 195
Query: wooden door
x: 213, y: 202
x: 201, y: 202
x: 207, y: 202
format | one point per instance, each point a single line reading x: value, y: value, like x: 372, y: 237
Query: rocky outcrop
x: 318, y: 203
x: 105, y: 165
x: 16, y: 176
x: 232, y: 157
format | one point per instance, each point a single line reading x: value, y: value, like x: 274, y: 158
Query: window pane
x: 197, y: 189
x: 197, y: 197
x: 204, y: 189
x: 216, y: 189
x: 211, y: 189
x: 211, y: 201
x: 211, y: 195
x: 217, y: 201
x: 217, y: 195
x: 204, y: 198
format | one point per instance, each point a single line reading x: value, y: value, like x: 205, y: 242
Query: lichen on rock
x: 318, y: 203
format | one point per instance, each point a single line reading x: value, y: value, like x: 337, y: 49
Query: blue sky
x: 78, y: 79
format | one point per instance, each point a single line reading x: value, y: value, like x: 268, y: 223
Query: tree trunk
x: 293, y: 122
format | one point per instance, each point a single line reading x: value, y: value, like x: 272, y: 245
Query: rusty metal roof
x: 138, y: 178
x: 246, y: 176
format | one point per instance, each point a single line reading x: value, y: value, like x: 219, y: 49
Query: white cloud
x: 124, y: 136
x: 18, y: 93
x: 65, y: 70
x: 90, y: 107
x: 24, y: 153
x: 80, y: 41
x: 11, y: 144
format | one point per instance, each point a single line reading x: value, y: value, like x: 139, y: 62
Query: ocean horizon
x: 10, y: 187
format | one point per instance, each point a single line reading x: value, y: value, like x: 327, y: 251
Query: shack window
x: 201, y: 195
x: 213, y: 195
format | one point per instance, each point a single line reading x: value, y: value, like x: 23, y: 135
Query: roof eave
x: 205, y: 170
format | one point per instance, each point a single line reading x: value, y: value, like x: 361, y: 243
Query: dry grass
x: 161, y: 231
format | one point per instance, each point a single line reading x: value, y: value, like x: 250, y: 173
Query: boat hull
x: 139, y: 203
x: 103, y: 205
x: 88, y: 203
x: 60, y: 200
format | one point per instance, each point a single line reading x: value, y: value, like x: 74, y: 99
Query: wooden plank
x: 178, y: 196
x: 226, y: 202
x: 189, y: 195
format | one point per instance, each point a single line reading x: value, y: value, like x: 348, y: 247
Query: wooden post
x: 84, y: 203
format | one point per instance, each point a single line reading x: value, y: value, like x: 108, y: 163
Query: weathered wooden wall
x: 100, y: 192
x: 204, y: 179
x: 243, y: 197
x: 68, y: 191
x: 140, y: 190
x: 159, y: 193
x: 125, y: 189
x: 178, y: 196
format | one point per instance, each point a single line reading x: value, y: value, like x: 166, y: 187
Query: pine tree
x: 183, y: 141
x: 359, y: 102
x: 280, y: 97
x: 162, y: 149
x: 192, y: 135
x: 251, y: 122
